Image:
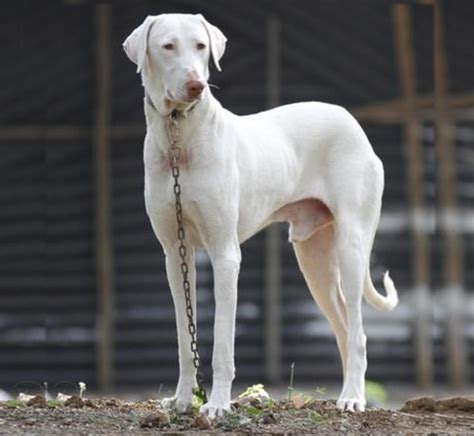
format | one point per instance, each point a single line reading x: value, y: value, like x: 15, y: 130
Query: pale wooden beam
x: 31, y: 132
x: 402, y: 20
x: 103, y: 226
x: 36, y: 132
x: 272, y: 284
x: 461, y: 107
x: 452, y: 242
x: 393, y: 111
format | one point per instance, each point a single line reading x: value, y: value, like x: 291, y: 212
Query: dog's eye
x: 200, y: 46
x: 168, y: 46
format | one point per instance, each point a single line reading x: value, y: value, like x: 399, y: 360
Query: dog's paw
x: 351, y: 404
x: 214, y: 411
x: 177, y: 404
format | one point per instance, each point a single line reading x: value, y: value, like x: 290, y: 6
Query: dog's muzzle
x: 194, y: 89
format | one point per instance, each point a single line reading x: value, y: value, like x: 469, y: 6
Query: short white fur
x: 308, y: 163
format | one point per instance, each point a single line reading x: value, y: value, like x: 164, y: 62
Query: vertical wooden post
x: 103, y: 242
x: 452, y: 243
x: 414, y: 159
x: 272, y: 291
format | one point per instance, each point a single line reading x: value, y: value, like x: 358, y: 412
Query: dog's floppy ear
x: 136, y: 45
x: 217, y: 41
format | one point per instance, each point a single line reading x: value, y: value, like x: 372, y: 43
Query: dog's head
x: 172, y: 52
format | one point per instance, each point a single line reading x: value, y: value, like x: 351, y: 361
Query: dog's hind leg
x: 317, y: 260
x: 355, y: 226
x: 353, y: 266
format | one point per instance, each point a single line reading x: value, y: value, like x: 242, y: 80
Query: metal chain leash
x: 174, y: 154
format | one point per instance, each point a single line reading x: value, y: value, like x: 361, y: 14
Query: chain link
x: 175, y: 154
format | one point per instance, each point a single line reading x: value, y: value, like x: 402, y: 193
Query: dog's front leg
x: 183, y: 398
x: 226, y: 265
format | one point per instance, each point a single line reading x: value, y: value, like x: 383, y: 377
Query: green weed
x: 316, y: 417
x: 54, y: 403
x: 375, y: 392
x: 14, y: 404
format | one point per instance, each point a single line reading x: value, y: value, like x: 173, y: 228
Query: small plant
x: 234, y: 420
x: 54, y: 403
x: 269, y: 404
x: 316, y: 417
x: 252, y: 412
x: 254, y: 396
x: 375, y: 392
x: 14, y: 403
x: 197, y: 393
x: 45, y: 390
x: 255, y: 391
x: 320, y: 391
x: 290, y: 387
x: 82, y: 388
x: 198, y: 401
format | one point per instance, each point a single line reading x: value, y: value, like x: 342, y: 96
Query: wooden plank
x: 36, y: 132
x: 272, y: 291
x: 402, y: 20
x: 386, y: 112
x: 393, y: 111
x: 103, y: 242
x: 452, y: 243
x: 32, y: 132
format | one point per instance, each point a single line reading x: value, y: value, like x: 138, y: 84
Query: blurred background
x: 83, y: 291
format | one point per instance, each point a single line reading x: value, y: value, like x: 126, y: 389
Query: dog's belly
x: 305, y: 218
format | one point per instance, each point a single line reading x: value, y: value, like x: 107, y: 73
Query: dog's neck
x: 195, y: 122
x: 175, y: 108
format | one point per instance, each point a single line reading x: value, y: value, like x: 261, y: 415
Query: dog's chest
x: 196, y: 188
x: 183, y: 161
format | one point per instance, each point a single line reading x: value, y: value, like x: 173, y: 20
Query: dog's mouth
x: 169, y: 96
x: 171, y: 99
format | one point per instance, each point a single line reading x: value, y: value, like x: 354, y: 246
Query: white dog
x: 308, y: 163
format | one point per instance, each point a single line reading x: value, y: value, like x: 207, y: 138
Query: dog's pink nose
x: 194, y: 89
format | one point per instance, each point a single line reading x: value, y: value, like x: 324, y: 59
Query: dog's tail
x: 377, y: 300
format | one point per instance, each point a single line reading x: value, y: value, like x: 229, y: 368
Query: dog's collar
x: 174, y: 112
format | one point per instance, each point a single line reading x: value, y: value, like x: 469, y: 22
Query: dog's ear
x: 217, y: 41
x: 136, y: 45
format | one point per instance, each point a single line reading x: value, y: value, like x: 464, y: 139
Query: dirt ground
x: 112, y: 416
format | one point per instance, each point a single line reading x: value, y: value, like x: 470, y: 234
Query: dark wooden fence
x: 83, y: 292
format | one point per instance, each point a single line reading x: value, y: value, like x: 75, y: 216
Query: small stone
x: 63, y: 397
x: 24, y: 398
x: 74, y: 401
x: 67, y: 421
x: 269, y: 418
x: 254, y: 396
x: 462, y: 404
x: 423, y: 403
x: 159, y: 418
x: 30, y: 421
x: 38, y: 401
x: 299, y: 401
x: 113, y: 402
x: 245, y: 420
x: 90, y: 403
x: 202, y: 422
